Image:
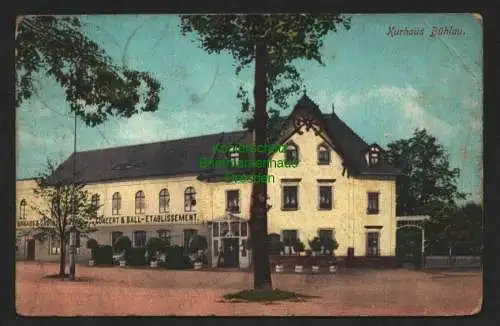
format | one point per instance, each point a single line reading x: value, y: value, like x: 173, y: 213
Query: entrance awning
x: 230, y: 218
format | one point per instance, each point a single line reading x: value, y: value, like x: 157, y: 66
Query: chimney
x: 333, y: 108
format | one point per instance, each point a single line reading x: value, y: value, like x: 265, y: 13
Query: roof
x: 181, y: 156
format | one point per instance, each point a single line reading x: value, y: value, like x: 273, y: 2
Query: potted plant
x: 122, y: 246
x: 287, y: 245
x: 315, y: 246
x: 155, y: 247
x: 198, y: 245
x: 92, y: 245
x: 330, y: 245
x: 299, y: 249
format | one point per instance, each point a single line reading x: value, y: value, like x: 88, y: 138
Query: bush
x: 121, y: 244
x: 176, y: 259
x: 275, y: 244
x: 197, y: 243
x: 315, y: 244
x: 154, y: 246
x: 136, y: 257
x: 299, y: 246
x: 330, y: 244
x: 103, y: 255
x: 92, y: 244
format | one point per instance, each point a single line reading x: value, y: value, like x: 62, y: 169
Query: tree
x: 95, y: 87
x: 54, y: 194
x: 273, y: 42
x: 428, y: 185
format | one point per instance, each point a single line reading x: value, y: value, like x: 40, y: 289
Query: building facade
x: 323, y: 180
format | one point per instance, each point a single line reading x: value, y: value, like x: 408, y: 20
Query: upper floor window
x: 140, y: 202
x: 164, y: 200
x: 189, y: 199
x: 290, y: 197
x: 325, y: 197
x: 22, y: 209
x: 323, y: 155
x: 139, y: 238
x: 373, y: 203
x: 116, y: 203
x: 234, y: 156
x: 95, y: 201
x: 233, y: 201
x: 372, y: 244
x: 373, y: 154
x: 292, y: 153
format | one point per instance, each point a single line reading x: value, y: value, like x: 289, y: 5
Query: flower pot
x: 153, y: 264
x: 282, y: 253
x: 91, y: 262
x: 279, y: 268
x: 299, y: 268
x: 315, y: 269
x: 123, y: 263
x: 314, y: 253
x: 333, y: 269
x: 198, y: 265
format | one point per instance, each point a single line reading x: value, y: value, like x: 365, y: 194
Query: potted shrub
x: 330, y: 245
x: 287, y: 245
x: 198, y: 245
x: 123, y: 245
x: 315, y: 246
x: 155, y: 247
x: 299, y: 249
x: 92, y: 245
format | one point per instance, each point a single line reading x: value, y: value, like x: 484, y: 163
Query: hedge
x: 103, y: 255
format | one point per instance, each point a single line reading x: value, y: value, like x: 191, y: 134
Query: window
x: 373, y: 199
x: 373, y: 155
x: 22, y: 209
x: 325, y: 234
x: 188, y: 234
x: 140, y: 202
x: 234, y: 156
x: 164, y: 200
x: 116, y: 203
x: 325, y: 197
x: 290, y: 200
x: 372, y: 244
x: 114, y: 236
x: 292, y: 154
x: 244, y: 229
x: 77, y: 239
x: 139, y: 238
x: 216, y: 248
x: 323, y: 155
x: 95, y: 201
x: 189, y: 199
x: 233, y: 201
x: 235, y: 229
x: 244, y: 246
x: 215, y: 229
x: 54, y: 245
x: 164, y: 235
x: 290, y: 237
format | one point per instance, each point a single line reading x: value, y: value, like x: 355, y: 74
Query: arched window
x: 140, y: 202
x: 164, y: 200
x: 189, y: 199
x: 22, y: 209
x: 116, y: 203
x: 95, y: 200
x: 323, y: 155
x: 292, y: 153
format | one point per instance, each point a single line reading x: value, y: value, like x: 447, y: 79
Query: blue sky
x: 383, y: 87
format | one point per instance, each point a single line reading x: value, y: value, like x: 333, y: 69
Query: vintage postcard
x: 201, y: 165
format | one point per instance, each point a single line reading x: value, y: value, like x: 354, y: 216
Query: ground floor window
x: 372, y: 244
x: 114, y: 236
x: 188, y: 234
x: 139, y: 238
x: 289, y: 237
x: 165, y: 236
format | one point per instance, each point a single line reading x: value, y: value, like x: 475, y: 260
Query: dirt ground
x: 125, y: 291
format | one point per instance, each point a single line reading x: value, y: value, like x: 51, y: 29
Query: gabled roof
x: 182, y: 156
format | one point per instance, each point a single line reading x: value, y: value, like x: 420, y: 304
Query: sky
x: 382, y: 86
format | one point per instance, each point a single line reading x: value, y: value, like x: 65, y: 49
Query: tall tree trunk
x: 258, y: 208
x: 62, y: 259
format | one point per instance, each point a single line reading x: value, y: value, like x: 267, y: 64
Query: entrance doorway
x: 409, y: 251
x: 30, y: 255
x: 231, y: 252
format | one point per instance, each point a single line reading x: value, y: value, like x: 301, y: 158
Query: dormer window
x: 292, y: 154
x: 323, y: 155
x: 373, y: 155
x: 234, y: 156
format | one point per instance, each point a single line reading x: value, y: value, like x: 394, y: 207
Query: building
x: 335, y: 185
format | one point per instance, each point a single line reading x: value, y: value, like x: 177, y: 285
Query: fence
x: 453, y: 261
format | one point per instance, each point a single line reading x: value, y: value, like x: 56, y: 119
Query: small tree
x: 92, y: 245
x: 56, y: 196
x: 330, y: 244
x: 315, y: 244
x: 122, y: 245
x: 299, y: 246
x: 154, y: 247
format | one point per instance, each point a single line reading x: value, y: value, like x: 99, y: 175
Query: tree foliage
x: 53, y: 195
x: 288, y: 38
x: 95, y: 87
